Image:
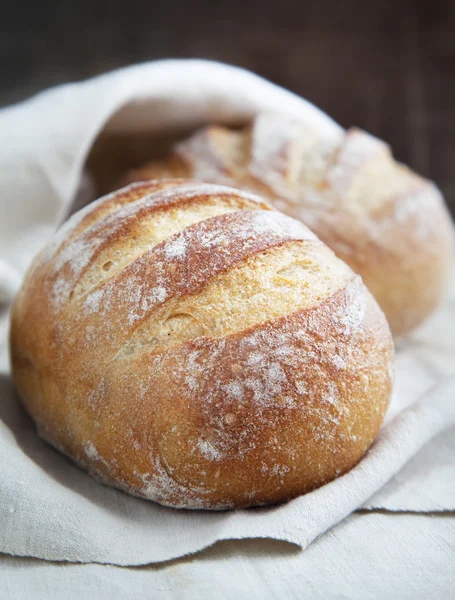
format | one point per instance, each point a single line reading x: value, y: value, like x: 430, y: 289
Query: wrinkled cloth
x: 52, y: 510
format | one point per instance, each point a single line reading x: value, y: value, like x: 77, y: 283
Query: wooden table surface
x: 386, y: 66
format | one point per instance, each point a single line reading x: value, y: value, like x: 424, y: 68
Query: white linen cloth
x: 52, y: 510
x: 367, y: 557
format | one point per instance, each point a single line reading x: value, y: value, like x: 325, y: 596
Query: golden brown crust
x: 255, y: 409
x: 390, y: 225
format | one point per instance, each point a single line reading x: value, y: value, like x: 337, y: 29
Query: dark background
x: 388, y: 67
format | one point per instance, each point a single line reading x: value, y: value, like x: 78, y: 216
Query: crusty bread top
x: 163, y: 244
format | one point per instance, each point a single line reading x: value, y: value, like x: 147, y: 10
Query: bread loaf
x: 390, y: 225
x: 189, y: 345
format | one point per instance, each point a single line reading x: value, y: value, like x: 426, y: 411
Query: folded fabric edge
x: 125, y: 78
x: 406, y: 511
x: 159, y: 561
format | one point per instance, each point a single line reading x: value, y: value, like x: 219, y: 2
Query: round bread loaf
x: 187, y: 344
x: 390, y: 225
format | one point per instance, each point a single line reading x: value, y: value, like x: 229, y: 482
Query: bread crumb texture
x: 186, y: 343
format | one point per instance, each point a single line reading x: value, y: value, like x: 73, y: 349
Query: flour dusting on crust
x: 256, y: 414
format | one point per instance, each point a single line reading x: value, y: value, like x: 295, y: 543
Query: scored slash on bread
x: 390, y: 225
x: 187, y: 344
